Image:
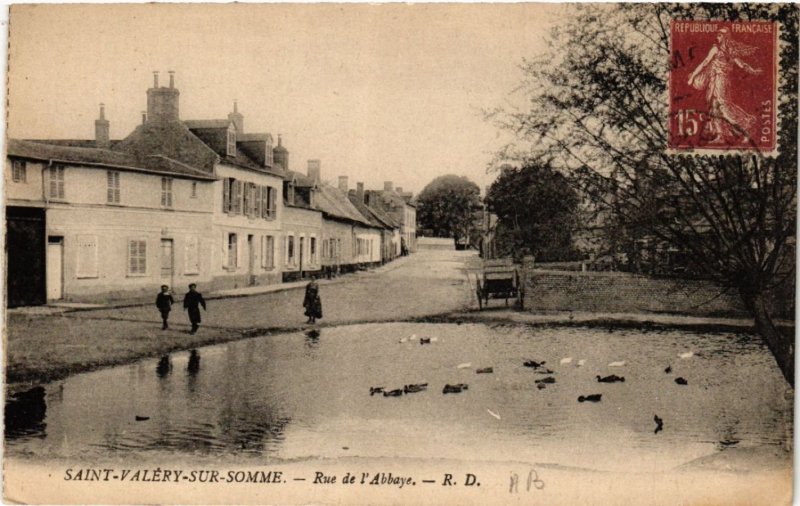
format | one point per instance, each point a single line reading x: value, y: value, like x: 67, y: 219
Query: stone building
x: 302, y: 223
x: 88, y: 221
x: 400, y: 206
x: 246, y: 198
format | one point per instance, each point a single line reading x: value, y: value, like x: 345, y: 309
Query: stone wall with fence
x: 616, y: 292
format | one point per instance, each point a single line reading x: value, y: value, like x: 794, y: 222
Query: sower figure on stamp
x: 312, y: 301
x: 192, y: 302
x: 164, y: 302
x: 715, y: 74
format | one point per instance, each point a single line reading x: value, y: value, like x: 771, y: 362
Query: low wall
x: 616, y: 292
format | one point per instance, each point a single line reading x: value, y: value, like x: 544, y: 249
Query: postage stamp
x: 722, y: 86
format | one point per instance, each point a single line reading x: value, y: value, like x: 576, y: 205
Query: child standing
x: 164, y: 302
x: 192, y: 302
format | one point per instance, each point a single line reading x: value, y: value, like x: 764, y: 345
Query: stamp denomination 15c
x: 723, y: 86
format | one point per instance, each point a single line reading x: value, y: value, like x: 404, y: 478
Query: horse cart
x: 498, y: 280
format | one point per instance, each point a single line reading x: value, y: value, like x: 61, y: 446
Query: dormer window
x: 231, y: 151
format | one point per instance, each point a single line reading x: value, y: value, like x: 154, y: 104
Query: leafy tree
x: 445, y: 206
x: 599, y: 108
x: 537, y: 211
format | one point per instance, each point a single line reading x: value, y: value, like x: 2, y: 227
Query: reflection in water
x: 164, y: 366
x: 312, y: 338
x: 295, y: 396
x: 194, y: 362
x: 25, y: 412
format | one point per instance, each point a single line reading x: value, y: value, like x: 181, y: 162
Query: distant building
x: 401, y: 207
x: 302, y: 223
x: 390, y: 230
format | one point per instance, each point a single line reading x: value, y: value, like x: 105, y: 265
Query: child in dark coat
x: 192, y: 302
x: 312, y: 301
x: 164, y: 302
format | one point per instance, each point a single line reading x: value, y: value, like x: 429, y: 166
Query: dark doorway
x: 26, y: 246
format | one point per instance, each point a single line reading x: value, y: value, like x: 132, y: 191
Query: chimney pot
x: 155, y: 79
x: 343, y: 183
x: 171, y: 78
x: 144, y: 117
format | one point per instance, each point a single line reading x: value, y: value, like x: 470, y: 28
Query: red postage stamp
x: 722, y: 86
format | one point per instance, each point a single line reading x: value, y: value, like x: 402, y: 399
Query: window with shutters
x: 166, y: 192
x: 233, y: 251
x: 192, y: 255
x: 19, y: 171
x: 137, y: 257
x: 112, y: 193
x: 268, y: 252
x: 87, y: 256
x: 56, y: 182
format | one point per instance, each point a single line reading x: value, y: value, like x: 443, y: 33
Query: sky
x: 376, y: 92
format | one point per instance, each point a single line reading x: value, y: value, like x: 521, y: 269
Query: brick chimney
x: 343, y: 183
x: 314, y: 170
x: 360, y: 192
x: 237, y: 118
x: 387, y: 186
x: 162, y: 103
x: 101, y: 129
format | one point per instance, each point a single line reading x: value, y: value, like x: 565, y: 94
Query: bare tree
x: 598, y: 107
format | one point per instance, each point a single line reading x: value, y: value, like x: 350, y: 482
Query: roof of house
x: 78, y: 143
x: 391, y: 197
x: 375, y: 216
x: 299, y: 179
x: 334, y: 203
x: 171, y: 139
x: 106, y: 158
x: 207, y: 124
x: 214, y: 134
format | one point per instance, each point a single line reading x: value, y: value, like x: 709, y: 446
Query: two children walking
x: 191, y: 302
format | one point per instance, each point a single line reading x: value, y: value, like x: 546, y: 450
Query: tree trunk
x: 781, y: 346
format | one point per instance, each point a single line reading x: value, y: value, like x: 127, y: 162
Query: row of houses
x: 183, y: 201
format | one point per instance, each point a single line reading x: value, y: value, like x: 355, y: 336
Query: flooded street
x: 303, y: 396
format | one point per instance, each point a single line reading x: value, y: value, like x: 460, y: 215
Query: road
x: 50, y: 346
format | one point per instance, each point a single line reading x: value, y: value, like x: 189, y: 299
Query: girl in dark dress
x: 312, y: 301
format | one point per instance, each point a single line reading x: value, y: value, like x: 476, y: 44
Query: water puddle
x: 307, y: 395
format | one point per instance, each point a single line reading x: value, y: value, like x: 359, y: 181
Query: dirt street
x: 42, y: 347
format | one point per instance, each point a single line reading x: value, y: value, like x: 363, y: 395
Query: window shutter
x: 257, y: 201
x: 239, y: 185
x: 265, y: 190
x: 272, y: 202
x: 226, y: 195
